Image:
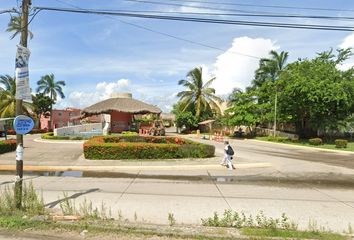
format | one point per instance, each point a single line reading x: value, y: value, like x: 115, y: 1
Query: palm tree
x: 271, y: 68
x: 8, y: 98
x: 199, y: 94
x: 48, y: 86
x: 14, y: 26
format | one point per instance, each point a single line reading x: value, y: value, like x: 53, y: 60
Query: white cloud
x: 234, y: 70
x: 103, y: 90
x: 348, y: 42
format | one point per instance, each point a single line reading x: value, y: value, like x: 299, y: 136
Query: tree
x: 41, y: 106
x: 199, y: 97
x: 266, y: 76
x: 244, y: 111
x: 14, y: 27
x: 8, y: 97
x: 49, y: 87
x: 316, y: 96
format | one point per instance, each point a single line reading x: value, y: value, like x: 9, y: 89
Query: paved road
x: 152, y: 199
x: 306, y: 184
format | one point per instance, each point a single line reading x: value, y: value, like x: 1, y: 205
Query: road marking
x: 304, y: 147
x: 39, y: 140
x: 134, y: 168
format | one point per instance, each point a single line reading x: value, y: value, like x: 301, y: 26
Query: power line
x: 7, y: 11
x: 345, y: 18
x: 205, y: 20
x: 267, y: 6
x: 169, y: 35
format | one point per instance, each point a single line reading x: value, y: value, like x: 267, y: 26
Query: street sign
x: 23, y: 124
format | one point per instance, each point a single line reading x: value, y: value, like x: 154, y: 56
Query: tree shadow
x: 76, y: 195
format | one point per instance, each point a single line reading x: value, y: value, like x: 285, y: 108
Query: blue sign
x: 23, y: 124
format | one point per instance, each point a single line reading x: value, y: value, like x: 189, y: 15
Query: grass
x: 305, y: 143
x: 293, y: 234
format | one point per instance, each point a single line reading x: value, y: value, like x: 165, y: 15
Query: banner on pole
x: 23, y: 90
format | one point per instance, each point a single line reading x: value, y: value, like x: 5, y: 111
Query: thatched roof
x: 128, y: 105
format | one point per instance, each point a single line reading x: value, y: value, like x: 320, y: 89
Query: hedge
x: 341, y: 143
x: 51, y: 136
x: 34, y: 131
x: 7, y: 146
x: 145, y: 147
x: 315, y: 141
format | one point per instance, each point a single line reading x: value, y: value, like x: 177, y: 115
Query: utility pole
x: 275, y: 114
x: 19, y: 137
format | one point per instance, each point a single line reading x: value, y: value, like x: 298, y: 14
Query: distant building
x: 119, y: 111
x: 61, y: 118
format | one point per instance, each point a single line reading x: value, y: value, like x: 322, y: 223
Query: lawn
x: 305, y: 143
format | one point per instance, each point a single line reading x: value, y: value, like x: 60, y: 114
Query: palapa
x: 127, y: 105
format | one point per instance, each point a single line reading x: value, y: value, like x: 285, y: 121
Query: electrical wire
x: 265, y: 6
x: 168, y: 35
x: 7, y: 11
x: 205, y: 20
x: 344, y: 18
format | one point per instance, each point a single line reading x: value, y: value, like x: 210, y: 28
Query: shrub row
x: 7, y: 146
x: 142, y: 139
x: 315, y: 141
x: 153, y: 148
x: 51, y: 136
x: 34, y: 131
x: 341, y: 143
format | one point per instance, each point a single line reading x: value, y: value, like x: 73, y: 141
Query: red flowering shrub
x: 145, y: 147
x: 7, y: 146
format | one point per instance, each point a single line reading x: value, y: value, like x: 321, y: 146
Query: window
x: 59, y: 113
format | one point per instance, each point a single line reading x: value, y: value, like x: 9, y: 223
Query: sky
x: 97, y: 55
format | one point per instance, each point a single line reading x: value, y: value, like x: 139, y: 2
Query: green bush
x: 341, y: 143
x: 129, y: 133
x: 315, y: 141
x: 51, y: 136
x: 277, y: 139
x: 145, y: 147
x: 7, y: 146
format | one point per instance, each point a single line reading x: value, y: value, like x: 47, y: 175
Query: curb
x: 133, y: 168
x: 39, y: 140
x: 303, y: 147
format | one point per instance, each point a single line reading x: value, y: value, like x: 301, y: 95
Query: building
x: 61, y: 118
x: 119, y: 111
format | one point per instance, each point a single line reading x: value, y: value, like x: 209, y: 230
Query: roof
x: 207, y: 122
x: 128, y: 105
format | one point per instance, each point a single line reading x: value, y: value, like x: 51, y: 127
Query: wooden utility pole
x: 19, y: 137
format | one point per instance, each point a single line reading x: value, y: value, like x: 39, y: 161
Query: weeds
x: 240, y: 220
x: 32, y: 203
x: 171, y: 219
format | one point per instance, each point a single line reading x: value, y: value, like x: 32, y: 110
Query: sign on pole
x: 23, y: 124
x: 23, y: 90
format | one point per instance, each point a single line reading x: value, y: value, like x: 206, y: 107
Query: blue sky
x: 97, y: 55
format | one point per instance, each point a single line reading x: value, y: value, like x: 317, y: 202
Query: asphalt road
x: 309, y: 185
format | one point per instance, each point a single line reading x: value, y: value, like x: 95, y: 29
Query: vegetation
x: 8, y: 97
x: 50, y: 136
x: 313, y: 95
x: 41, y: 106
x: 263, y: 226
x: 198, y: 102
x: 7, y: 146
x: 315, y: 141
x: 14, y: 27
x: 341, y: 143
x: 32, y: 204
x: 49, y: 87
x: 306, y: 143
x: 139, y: 147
